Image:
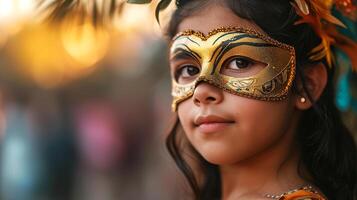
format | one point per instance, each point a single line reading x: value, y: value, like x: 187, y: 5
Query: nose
x: 206, y: 94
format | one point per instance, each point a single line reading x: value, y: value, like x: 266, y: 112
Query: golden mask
x: 237, y: 60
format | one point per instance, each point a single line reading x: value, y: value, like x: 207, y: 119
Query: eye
x: 239, y: 63
x: 241, y: 67
x: 186, y: 73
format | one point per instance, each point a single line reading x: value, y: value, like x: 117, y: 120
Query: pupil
x: 241, y: 63
x: 192, y: 70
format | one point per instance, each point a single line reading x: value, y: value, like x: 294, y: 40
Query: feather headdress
x: 317, y: 13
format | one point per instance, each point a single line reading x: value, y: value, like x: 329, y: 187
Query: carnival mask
x: 237, y: 60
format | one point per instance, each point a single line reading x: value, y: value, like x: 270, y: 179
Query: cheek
x: 260, y: 126
x: 264, y: 120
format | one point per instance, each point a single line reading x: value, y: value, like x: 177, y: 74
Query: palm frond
x: 163, y: 4
x: 99, y: 12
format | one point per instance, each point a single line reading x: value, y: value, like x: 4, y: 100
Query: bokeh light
x: 84, y: 43
x: 13, y: 15
x: 40, y: 56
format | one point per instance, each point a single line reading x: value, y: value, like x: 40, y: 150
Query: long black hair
x: 328, y: 150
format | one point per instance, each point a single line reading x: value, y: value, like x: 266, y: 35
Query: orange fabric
x: 302, y: 195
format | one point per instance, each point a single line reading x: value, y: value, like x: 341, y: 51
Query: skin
x: 254, y: 146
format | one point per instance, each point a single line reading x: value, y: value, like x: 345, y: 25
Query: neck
x: 273, y: 171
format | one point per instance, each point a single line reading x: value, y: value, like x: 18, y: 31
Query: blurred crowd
x: 84, y: 111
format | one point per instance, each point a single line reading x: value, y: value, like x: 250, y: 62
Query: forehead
x: 213, y: 16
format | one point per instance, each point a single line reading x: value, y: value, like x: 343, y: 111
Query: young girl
x: 254, y: 98
x: 253, y: 92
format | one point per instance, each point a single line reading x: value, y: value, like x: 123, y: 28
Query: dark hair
x: 328, y: 151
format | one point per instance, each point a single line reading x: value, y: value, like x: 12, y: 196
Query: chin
x: 220, y: 157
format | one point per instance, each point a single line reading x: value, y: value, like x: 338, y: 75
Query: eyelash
x: 179, y: 70
x: 246, y: 60
x: 179, y: 73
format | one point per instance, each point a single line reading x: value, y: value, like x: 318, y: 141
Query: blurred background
x: 84, y: 110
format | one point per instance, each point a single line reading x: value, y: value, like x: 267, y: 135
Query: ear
x: 315, y: 80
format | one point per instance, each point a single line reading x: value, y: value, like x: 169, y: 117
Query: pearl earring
x: 302, y: 100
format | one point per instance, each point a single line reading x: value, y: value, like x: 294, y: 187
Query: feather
x: 322, y: 11
x: 302, y: 5
x: 347, y: 45
x: 319, y: 12
x: 318, y: 52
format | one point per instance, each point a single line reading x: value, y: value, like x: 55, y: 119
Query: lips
x: 209, y: 119
x: 212, y: 123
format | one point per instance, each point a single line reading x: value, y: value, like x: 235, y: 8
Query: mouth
x: 212, y: 123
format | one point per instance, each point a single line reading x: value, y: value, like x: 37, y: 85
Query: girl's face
x: 226, y: 128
